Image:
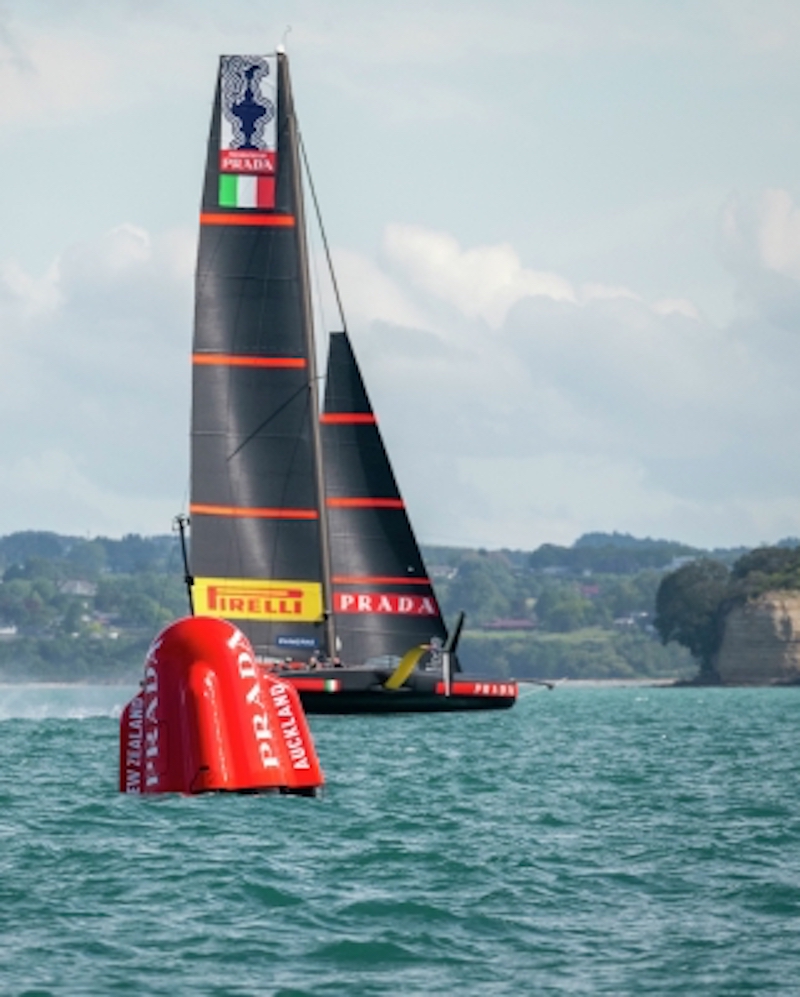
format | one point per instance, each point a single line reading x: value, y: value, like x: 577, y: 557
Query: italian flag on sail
x: 237, y: 191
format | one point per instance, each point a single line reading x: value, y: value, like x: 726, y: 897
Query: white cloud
x: 371, y: 295
x: 549, y: 413
x: 44, y: 74
x: 49, y: 491
x: 760, y: 245
x: 555, y: 495
x: 676, y: 306
x: 483, y: 282
x: 779, y: 233
x: 604, y: 292
x: 30, y: 296
x: 762, y: 234
x: 94, y: 382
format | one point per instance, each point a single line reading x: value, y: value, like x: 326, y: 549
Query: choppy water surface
x: 617, y: 841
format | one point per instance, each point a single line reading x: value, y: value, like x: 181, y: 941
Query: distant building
x: 76, y: 587
x: 639, y: 619
x: 443, y: 571
x: 510, y: 624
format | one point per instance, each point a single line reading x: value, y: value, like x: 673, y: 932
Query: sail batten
x: 270, y: 221
x: 249, y: 513
x: 239, y: 360
x: 348, y: 418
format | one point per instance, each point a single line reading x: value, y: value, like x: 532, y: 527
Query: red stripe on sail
x: 377, y: 580
x: 219, y: 218
x: 348, y: 418
x: 252, y: 513
x: 228, y: 360
x: 365, y: 503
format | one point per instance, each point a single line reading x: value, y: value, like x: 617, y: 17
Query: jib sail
x: 383, y: 601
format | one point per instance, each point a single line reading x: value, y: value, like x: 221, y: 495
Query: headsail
x: 383, y: 601
x: 257, y: 538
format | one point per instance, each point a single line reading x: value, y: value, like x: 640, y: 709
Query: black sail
x: 256, y: 528
x: 383, y: 602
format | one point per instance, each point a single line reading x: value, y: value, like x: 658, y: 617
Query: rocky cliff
x: 761, y: 641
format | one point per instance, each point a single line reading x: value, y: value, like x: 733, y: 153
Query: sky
x: 567, y: 235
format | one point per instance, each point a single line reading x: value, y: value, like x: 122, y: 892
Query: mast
x: 313, y: 380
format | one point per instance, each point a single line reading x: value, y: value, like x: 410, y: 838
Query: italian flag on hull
x: 237, y: 191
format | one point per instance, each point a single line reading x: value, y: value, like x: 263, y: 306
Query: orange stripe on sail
x: 218, y: 218
x: 365, y: 503
x: 377, y: 580
x: 228, y: 360
x: 250, y: 513
x: 348, y: 418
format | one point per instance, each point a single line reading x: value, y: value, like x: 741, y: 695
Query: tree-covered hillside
x: 73, y: 608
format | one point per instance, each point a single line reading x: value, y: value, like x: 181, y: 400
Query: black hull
x: 330, y: 704
x: 362, y: 690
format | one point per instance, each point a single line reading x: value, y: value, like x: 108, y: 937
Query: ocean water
x: 589, y: 841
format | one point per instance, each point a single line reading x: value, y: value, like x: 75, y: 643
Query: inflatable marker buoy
x: 208, y: 718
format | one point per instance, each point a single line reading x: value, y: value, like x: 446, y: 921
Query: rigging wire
x: 319, y: 303
x: 318, y: 214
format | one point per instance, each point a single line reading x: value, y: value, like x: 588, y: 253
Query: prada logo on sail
x: 252, y: 599
x: 373, y: 602
x: 240, y: 161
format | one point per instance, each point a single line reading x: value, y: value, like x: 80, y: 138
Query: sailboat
x: 298, y: 532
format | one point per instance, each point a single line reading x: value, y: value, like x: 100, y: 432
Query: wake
x: 53, y: 701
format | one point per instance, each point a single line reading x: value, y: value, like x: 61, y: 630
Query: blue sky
x: 567, y: 234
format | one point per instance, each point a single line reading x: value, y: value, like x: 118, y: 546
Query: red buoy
x: 209, y: 718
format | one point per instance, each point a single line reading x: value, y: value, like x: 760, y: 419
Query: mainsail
x: 383, y: 602
x: 258, y: 543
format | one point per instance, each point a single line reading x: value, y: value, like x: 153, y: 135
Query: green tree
x: 484, y: 588
x: 30, y: 605
x: 36, y: 567
x: 563, y: 609
x: 87, y: 559
x: 16, y: 548
x: 72, y: 621
x: 765, y: 561
x: 688, y: 609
